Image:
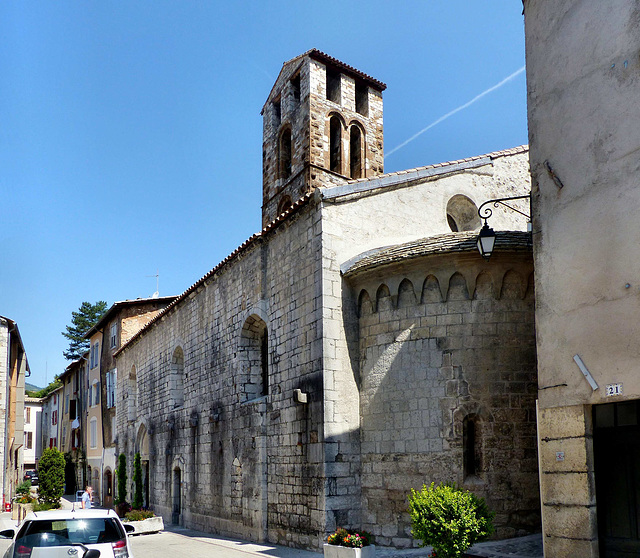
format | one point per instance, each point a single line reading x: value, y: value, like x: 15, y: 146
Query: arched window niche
x: 335, y: 144
x: 176, y: 379
x: 255, y: 358
x: 462, y: 214
x: 285, y: 154
x: 355, y: 152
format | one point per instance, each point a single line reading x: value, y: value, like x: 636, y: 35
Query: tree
x: 45, y: 390
x: 137, y: 482
x: 51, y: 475
x: 82, y: 321
x: 121, y: 473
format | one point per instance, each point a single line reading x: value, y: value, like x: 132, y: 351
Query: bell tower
x: 322, y: 126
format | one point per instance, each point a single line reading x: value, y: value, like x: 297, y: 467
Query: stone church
x: 354, y: 348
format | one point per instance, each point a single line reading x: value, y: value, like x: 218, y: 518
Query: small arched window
x: 462, y: 214
x: 284, y: 204
x: 335, y: 144
x: 285, y: 153
x: 255, y: 354
x: 472, y: 445
x: 176, y: 379
x: 355, y: 152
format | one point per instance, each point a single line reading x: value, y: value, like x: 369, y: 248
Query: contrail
x: 461, y: 107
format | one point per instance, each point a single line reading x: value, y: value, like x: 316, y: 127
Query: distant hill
x: 31, y: 387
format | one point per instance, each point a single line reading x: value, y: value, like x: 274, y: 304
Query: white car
x: 69, y: 534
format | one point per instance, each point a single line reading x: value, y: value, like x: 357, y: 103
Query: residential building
x: 32, y: 431
x: 583, y: 89
x: 13, y: 370
x: 50, y: 419
x: 355, y: 348
x: 119, y: 323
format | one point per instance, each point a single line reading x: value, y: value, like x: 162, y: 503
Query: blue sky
x: 130, y: 131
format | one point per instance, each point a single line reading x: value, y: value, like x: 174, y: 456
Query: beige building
x: 355, y: 348
x: 13, y: 369
x: 50, y: 419
x: 32, y: 431
x: 583, y: 81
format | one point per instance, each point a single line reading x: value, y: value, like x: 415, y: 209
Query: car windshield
x: 61, y: 532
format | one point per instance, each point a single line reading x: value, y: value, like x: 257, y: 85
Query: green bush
x: 121, y: 473
x: 24, y: 488
x: 449, y: 519
x: 51, y: 474
x: 139, y: 515
x: 137, y: 482
x: 44, y: 506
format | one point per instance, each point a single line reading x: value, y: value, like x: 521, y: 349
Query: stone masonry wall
x: 249, y: 467
x: 456, y: 342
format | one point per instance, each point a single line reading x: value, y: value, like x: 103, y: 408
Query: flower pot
x: 145, y: 526
x: 333, y: 551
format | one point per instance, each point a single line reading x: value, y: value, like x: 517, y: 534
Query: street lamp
x: 487, y: 236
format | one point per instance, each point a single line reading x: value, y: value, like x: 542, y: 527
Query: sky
x: 131, y: 134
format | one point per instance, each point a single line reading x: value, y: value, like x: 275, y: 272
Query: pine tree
x: 82, y: 321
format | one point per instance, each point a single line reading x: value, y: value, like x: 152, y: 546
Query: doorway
x: 616, y: 448
x: 177, y: 500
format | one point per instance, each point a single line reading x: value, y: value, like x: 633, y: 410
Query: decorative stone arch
x: 406, y: 294
x: 336, y: 126
x: 512, y: 286
x: 284, y: 204
x: 254, y: 358
x: 462, y: 214
x: 458, y: 289
x: 431, y: 291
x: 384, y: 302
x: 484, y: 288
x: 176, y: 378
x: 365, y: 307
x: 357, y: 150
x: 285, y: 152
x: 142, y: 447
x: 470, y: 425
x: 177, y: 489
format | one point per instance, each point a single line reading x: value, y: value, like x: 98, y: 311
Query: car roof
x: 69, y: 514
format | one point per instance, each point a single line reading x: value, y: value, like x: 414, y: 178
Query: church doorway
x: 616, y: 445
x: 177, y: 497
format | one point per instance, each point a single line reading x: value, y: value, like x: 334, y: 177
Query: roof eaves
x: 236, y: 253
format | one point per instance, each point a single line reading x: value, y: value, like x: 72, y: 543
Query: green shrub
x: 51, y: 473
x: 137, y: 482
x: 121, y: 473
x: 139, y: 515
x: 24, y: 488
x: 41, y: 506
x: 449, y: 519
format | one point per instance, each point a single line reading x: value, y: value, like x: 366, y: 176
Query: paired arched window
x: 285, y: 153
x: 335, y: 144
x: 176, y: 379
x: 355, y: 152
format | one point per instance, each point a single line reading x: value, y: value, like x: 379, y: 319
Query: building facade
x: 32, y: 432
x: 50, y: 419
x: 351, y: 350
x: 13, y: 369
x: 583, y: 88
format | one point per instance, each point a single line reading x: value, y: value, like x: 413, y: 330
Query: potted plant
x: 142, y: 520
x: 349, y: 544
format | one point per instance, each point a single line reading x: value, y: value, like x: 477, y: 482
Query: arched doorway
x: 142, y: 447
x: 107, y: 489
x: 177, y: 496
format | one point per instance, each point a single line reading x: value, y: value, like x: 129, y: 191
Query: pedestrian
x: 86, y: 498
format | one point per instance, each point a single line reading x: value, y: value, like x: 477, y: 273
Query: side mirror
x: 129, y: 528
x: 7, y: 533
x: 93, y: 553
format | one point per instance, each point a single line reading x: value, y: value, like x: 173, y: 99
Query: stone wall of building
x: 247, y: 464
x: 453, y: 344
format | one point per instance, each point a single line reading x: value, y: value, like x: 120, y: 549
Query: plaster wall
x: 583, y: 80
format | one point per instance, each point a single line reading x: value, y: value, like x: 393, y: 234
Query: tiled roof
x: 250, y: 242
x: 506, y: 241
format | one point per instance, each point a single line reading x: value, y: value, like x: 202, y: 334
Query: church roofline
x: 506, y: 241
x: 246, y: 245
x: 406, y: 176
x: 330, y: 60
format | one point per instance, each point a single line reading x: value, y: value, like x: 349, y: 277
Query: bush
x: 137, y: 482
x: 38, y: 506
x: 51, y: 473
x: 139, y: 515
x: 121, y: 473
x: 449, y: 519
x: 352, y: 539
x: 24, y: 488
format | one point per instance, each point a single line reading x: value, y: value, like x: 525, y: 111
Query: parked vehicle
x: 66, y: 533
x: 32, y: 475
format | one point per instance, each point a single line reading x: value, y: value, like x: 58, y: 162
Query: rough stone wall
x: 432, y: 352
x: 249, y: 467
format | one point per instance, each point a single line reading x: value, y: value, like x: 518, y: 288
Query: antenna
x: 157, y: 276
